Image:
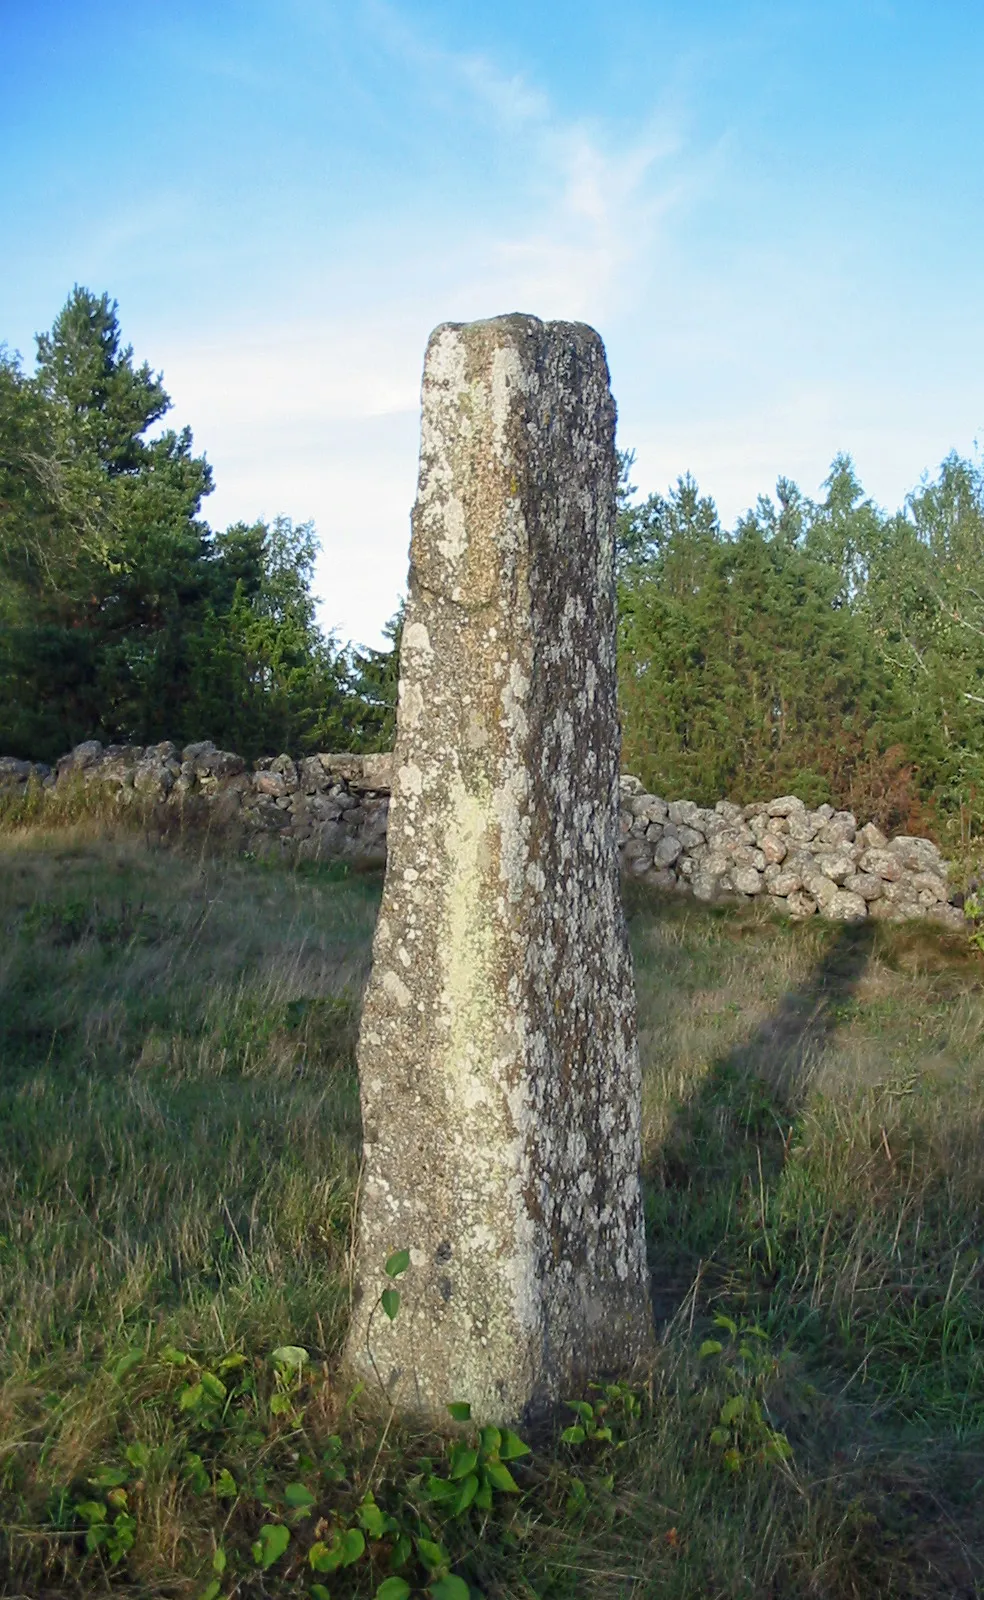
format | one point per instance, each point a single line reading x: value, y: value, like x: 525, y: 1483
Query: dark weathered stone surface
x: 500, y: 1083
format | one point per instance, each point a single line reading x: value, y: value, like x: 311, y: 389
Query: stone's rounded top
x: 519, y: 328
x: 85, y: 754
x: 517, y: 322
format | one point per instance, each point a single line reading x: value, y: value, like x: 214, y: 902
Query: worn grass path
x: 178, y: 1161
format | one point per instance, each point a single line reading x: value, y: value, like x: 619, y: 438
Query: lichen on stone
x: 501, y: 1100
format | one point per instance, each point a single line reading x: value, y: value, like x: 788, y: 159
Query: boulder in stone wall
x: 845, y: 907
x: 185, y: 783
x: 14, y: 771
x: 759, y: 824
x: 628, y: 785
x: 916, y: 855
x: 265, y: 815
x: 900, y: 910
x: 822, y: 888
x: 801, y: 905
x: 365, y: 855
x: 654, y: 831
x: 747, y: 880
x: 689, y: 837
x: 734, y: 836
x: 729, y: 811
x: 746, y: 855
x: 625, y: 822
x: 213, y: 766
x: 647, y: 808
x: 837, y: 832
x: 375, y: 822
x: 773, y: 847
x: 685, y: 867
x: 685, y: 812
x: 930, y: 884
x: 713, y: 862
x: 311, y: 775
x: 270, y: 783
x: 835, y: 864
x: 287, y: 770
x: 660, y: 878
x: 227, y: 804
x: 122, y: 758
x: 377, y: 773
x: 882, y: 863
x: 667, y: 850
x: 881, y: 910
x: 110, y: 772
x: 947, y: 917
x: 706, y: 886
x: 341, y: 766
x: 871, y: 837
x: 802, y: 827
x: 784, y: 883
x: 323, y: 808
x: 155, y: 779
x: 898, y: 890
x: 866, y: 884
x: 192, y: 752
x: 786, y: 806
x: 325, y: 842
x: 85, y: 755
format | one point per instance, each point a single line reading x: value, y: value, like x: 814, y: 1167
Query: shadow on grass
x: 731, y: 1138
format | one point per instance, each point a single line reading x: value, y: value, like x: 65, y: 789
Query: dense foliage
x: 122, y: 615
x: 827, y: 648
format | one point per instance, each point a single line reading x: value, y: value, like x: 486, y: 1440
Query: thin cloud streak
x: 276, y: 410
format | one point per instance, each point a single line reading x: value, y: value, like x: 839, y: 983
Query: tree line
x: 123, y: 616
x: 825, y: 647
x: 828, y: 648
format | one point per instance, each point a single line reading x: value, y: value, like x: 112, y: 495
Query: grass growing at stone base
x: 178, y: 1163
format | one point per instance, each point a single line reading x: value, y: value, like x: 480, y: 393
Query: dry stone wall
x: 322, y: 807
x: 801, y: 862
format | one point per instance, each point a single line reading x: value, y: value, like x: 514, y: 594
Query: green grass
x: 179, y: 1146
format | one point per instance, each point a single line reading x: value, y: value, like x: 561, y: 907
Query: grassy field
x: 179, y: 1146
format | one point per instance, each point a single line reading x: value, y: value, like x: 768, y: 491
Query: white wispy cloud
x: 313, y: 411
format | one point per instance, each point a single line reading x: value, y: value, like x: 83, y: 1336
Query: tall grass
x: 179, y: 1150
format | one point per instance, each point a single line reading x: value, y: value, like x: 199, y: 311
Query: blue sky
x: 772, y: 212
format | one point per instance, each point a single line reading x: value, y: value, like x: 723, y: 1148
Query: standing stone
x: 497, y: 1058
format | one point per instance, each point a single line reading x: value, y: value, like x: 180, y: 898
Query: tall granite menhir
x: 497, y: 1057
